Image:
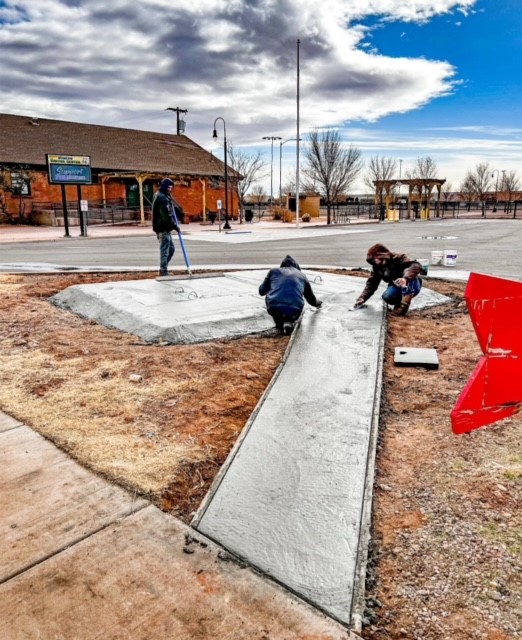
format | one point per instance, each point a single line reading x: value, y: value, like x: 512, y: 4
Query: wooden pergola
x: 423, y: 186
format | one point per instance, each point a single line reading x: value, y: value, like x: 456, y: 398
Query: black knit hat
x: 165, y: 184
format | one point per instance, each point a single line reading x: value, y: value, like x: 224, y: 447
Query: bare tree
x: 446, y: 193
x: 17, y: 180
x: 289, y: 182
x: 479, y: 182
x: 424, y: 171
x: 510, y: 183
x: 330, y: 166
x: 467, y: 190
x: 258, y: 195
x: 250, y: 167
x: 380, y: 169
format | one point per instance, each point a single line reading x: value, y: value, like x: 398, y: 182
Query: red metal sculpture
x: 494, y: 390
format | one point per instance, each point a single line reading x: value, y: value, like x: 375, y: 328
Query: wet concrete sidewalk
x: 84, y: 559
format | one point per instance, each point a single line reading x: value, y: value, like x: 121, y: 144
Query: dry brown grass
x: 70, y: 379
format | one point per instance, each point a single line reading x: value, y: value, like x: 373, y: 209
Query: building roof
x: 27, y: 140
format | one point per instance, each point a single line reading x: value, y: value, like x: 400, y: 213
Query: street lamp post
x: 496, y: 188
x: 272, y: 138
x: 281, y: 164
x: 503, y: 187
x: 215, y: 135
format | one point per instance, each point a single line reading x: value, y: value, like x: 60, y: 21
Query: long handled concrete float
x: 185, y: 255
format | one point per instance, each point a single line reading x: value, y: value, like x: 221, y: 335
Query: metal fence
x: 108, y: 212
x: 342, y: 214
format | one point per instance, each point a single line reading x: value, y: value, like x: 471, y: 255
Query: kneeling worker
x: 286, y: 289
x: 400, y: 272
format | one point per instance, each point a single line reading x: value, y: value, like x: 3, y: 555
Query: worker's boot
x: 288, y: 327
x: 401, y: 309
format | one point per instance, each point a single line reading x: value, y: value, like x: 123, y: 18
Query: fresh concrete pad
x: 48, y: 501
x: 144, y: 578
x: 191, y: 310
x: 175, y: 311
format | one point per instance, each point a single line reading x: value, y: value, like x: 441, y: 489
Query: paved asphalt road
x: 488, y: 246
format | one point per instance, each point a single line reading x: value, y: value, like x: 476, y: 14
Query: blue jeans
x: 166, y: 250
x: 393, y: 294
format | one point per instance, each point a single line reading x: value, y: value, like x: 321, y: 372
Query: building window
x: 20, y: 185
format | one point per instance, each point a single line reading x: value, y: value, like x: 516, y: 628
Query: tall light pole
x: 503, y: 187
x: 215, y: 135
x: 272, y: 138
x: 297, y: 136
x: 496, y: 188
x: 398, y: 184
x: 281, y: 164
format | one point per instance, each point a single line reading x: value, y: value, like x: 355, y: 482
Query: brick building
x: 125, y: 164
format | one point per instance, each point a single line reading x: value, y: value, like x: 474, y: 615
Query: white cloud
x: 124, y: 63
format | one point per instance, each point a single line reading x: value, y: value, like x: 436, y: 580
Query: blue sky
x: 479, y: 120
x: 399, y: 78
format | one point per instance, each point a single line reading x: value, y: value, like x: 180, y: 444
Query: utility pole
x: 180, y: 123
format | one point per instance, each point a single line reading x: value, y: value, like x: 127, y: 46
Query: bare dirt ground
x: 445, y: 560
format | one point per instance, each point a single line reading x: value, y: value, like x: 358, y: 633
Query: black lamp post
x: 215, y: 135
x: 496, y: 188
x: 272, y: 138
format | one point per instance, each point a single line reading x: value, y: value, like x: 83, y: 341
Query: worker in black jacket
x: 286, y: 289
x: 163, y: 223
x: 400, y: 272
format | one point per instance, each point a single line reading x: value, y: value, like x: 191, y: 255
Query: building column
x: 204, y: 197
x: 142, y: 209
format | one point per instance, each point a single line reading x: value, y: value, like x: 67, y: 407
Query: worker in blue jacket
x: 286, y: 289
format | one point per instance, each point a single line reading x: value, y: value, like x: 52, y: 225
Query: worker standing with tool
x: 163, y: 223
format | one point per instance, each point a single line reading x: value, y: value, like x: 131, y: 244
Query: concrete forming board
x: 191, y: 310
x: 48, y: 501
x: 291, y: 498
x: 143, y: 578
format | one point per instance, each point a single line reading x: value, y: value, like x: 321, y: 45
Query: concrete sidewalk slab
x: 7, y: 422
x: 143, y: 578
x: 246, y: 232
x: 48, y: 502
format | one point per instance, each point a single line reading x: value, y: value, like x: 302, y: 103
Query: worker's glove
x: 176, y: 228
x: 358, y: 304
x: 319, y: 304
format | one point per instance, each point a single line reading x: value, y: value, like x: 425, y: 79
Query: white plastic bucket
x: 437, y: 257
x: 450, y: 258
